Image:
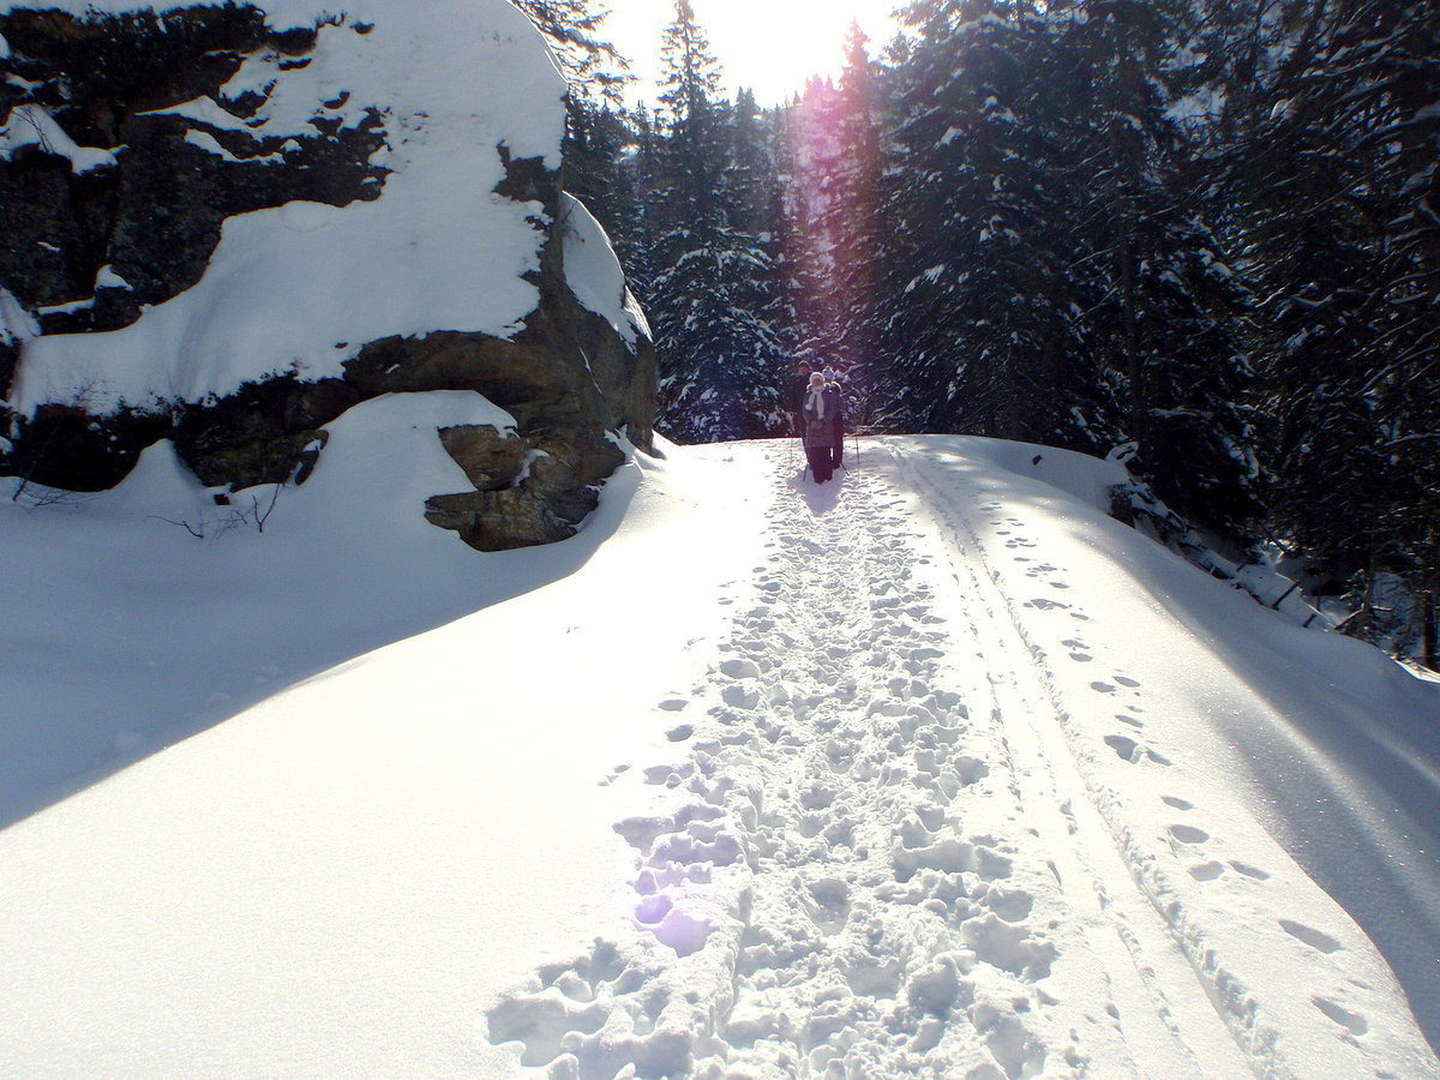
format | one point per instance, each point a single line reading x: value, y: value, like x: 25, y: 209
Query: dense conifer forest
x: 1202, y: 234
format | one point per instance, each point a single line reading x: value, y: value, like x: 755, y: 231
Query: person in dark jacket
x: 795, y: 395
x: 819, y: 434
x: 832, y: 387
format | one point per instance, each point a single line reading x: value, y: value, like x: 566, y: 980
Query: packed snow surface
x: 933, y: 771
x: 303, y: 286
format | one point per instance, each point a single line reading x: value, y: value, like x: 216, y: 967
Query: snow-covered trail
x: 936, y: 771
x: 882, y: 848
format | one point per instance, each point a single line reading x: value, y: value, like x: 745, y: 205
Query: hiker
x: 818, y: 411
x: 837, y: 450
x: 795, y: 395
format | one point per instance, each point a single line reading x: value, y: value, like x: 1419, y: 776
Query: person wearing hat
x: 818, y: 413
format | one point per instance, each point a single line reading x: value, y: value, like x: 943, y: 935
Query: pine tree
x: 592, y: 66
x: 1162, y: 304
x: 854, y: 223
x: 1334, y: 128
x: 977, y: 321
x: 709, y: 299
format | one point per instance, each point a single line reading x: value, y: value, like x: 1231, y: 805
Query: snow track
x: 877, y: 854
x: 850, y: 883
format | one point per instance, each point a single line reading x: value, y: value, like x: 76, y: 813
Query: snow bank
x: 302, y: 287
x: 594, y: 274
x: 341, y: 879
x: 150, y: 606
x: 1077, y: 475
x: 1275, y: 790
x: 16, y: 324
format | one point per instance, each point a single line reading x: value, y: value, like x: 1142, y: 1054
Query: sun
x: 770, y: 46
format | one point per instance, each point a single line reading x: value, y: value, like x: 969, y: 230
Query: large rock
x: 225, y: 228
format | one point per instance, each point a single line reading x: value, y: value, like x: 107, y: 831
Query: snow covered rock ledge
x: 227, y: 224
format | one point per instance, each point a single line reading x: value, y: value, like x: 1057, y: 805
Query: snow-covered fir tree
x: 1162, y: 307
x: 1330, y: 136
x: 711, y: 295
x: 979, y: 324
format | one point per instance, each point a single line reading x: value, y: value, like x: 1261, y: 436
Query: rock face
x: 130, y: 140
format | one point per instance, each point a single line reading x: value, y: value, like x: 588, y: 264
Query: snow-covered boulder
x: 225, y: 225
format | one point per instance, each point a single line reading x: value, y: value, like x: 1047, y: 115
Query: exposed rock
x: 155, y: 217
x: 86, y: 249
x: 9, y: 357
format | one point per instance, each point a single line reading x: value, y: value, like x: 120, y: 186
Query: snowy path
x: 879, y: 858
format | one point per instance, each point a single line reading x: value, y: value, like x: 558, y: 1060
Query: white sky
x: 771, y: 46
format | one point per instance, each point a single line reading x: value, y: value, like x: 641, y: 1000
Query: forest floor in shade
x: 932, y: 771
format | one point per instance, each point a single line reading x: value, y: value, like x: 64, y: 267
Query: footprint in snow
x: 1102, y: 688
x: 1207, y: 871
x: 1129, y: 720
x: 614, y: 774
x: 1081, y: 658
x: 1250, y: 871
x: 1316, y: 939
x: 1128, y: 750
x: 1353, y: 1022
x: 740, y: 669
x: 1188, y: 834
x: 674, y: 704
x: 1123, y: 746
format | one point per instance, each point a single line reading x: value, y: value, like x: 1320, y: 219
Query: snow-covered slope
x: 935, y: 771
x: 302, y: 287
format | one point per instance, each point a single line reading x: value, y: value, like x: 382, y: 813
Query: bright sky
x: 771, y: 46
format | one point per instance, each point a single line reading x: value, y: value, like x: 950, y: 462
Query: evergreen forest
x: 1200, y: 236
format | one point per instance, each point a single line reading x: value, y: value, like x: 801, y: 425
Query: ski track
x: 868, y: 865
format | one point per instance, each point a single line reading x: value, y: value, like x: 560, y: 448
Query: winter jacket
x: 819, y: 430
x: 835, y: 408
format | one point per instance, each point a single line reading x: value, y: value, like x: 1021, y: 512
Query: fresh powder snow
x: 594, y: 274
x: 937, y: 770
